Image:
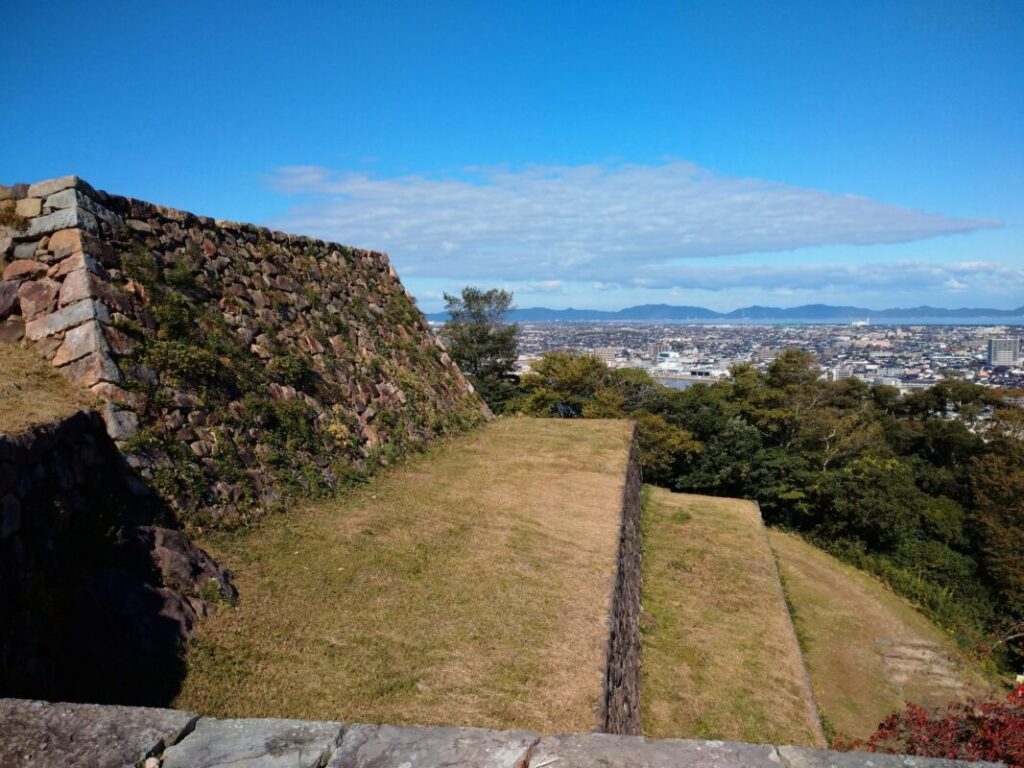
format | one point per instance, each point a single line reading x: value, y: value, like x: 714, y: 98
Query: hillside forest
x: 924, y: 490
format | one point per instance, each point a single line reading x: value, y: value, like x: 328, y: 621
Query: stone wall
x: 619, y: 711
x: 97, y: 593
x: 42, y: 735
x: 236, y: 365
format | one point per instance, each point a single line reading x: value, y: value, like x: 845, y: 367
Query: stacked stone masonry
x: 233, y: 363
x: 619, y: 710
x: 43, y: 735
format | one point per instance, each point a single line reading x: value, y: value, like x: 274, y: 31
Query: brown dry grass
x: 720, y: 659
x: 32, y: 392
x: 868, y: 650
x: 469, y: 587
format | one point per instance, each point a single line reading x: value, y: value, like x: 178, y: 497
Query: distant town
x: 909, y: 357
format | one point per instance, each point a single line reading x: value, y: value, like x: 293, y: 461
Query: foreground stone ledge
x: 385, y: 745
x: 256, y: 743
x: 42, y: 735
x: 39, y: 734
x: 593, y: 749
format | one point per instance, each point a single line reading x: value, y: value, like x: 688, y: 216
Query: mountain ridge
x: 673, y: 313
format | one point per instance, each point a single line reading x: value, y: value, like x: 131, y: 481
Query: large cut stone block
x: 65, y: 242
x: 92, y: 369
x: 36, y: 734
x: 24, y: 269
x: 255, y: 743
x: 586, y: 750
x: 370, y: 746
x: 66, y: 317
x: 73, y: 263
x: 77, y: 285
x: 79, y: 342
x: 68, y: 218
x: 72, y: 198
x: 49, y: 186
x: 37, y: 296
x: 120, y: 424
x: 68, y: 242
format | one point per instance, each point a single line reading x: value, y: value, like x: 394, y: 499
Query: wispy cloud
x: 603, y: 224
x: 978, y: 276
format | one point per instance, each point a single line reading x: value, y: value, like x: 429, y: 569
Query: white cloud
x: 914, y: 276
x: 543, y: 286
x: 602, y: 224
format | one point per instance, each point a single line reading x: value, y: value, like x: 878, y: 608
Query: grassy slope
x: 720, y: 659
x: 32, y: 392
x: 469, y: 586
x: 868, y: 650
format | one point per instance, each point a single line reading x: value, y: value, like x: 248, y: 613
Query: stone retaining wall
x: 619, y: 711
x: 235, y: 364
x: 44, y: 735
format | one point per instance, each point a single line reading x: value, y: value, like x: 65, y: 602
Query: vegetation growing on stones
x: 251, y: 389
x: 9, y: 216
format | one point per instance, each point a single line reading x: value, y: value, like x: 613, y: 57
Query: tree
x: 482, y: 343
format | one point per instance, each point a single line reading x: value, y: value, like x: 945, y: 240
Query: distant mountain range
x: 808, y: 312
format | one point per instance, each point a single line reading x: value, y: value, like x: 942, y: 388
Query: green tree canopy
x: 482, y: 343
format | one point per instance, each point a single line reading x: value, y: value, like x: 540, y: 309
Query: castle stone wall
x: 619, y: 710
x: 235, y: 365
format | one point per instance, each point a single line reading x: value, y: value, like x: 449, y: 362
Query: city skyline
x: 709, y: 154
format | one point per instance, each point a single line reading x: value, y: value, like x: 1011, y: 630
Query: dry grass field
x: 32, y: 392
x: 469, y: 586
x: 720, y: 659
x: 868, y: 650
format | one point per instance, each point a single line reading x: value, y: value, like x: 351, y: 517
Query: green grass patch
x: 719, y: 660
x: 468, y: 585
x: 867, y: 649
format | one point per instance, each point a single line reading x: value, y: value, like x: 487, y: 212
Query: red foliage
x: 989, y: 730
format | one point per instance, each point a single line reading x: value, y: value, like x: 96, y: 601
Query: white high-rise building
x: 1003, y: 351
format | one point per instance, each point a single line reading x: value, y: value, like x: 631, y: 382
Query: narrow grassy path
x: 720, y: 659
x: 468, y: 587
x: 868, y: 650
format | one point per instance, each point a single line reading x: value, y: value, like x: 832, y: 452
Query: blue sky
x: 580, y: 154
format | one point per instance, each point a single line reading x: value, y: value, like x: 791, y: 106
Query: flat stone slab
x: 387, y: 746
x: 255, y: 743
x: 590, y: 750
x: 41, y: 735
x: 802, y: 757
x: 65, y: 218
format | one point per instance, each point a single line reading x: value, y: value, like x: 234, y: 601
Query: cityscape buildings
x: 909, y: 357
x: 1003, y: 351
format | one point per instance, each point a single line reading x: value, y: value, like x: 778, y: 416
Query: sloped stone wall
x: 236, y: 365
x: 619, y: 710
x: 44, y: 735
